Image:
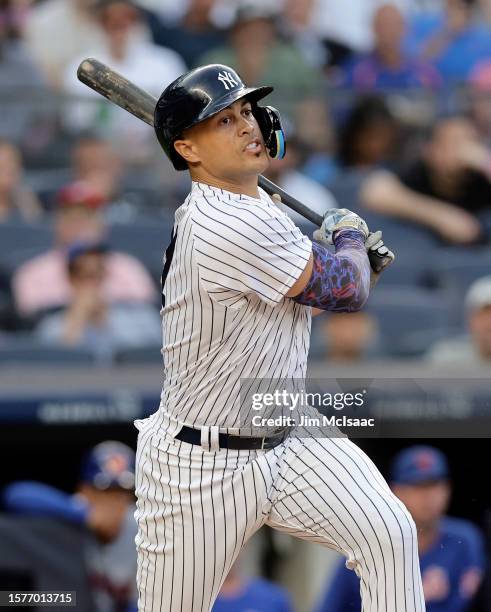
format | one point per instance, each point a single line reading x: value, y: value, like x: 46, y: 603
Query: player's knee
x: 392, y: 527
x: 399, y: 532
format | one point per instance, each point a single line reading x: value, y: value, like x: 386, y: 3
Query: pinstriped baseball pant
x: 196, y: 509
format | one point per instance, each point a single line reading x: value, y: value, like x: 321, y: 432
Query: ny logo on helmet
x: 227, y: 80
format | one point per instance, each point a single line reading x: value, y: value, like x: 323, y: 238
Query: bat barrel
x: 117, y: 89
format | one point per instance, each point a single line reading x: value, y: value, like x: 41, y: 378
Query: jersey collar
x: 210, y: 190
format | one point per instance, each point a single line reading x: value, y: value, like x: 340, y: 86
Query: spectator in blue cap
x: 103, y: 503
x: 451, y: 550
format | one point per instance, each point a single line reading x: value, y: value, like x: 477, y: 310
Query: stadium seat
x: 410, y: 319
x: 147, y: 242
x: 403, y: 235
x: 47, y: 182
x: 456, y: 268
x: 345, y: 187
x: 4, y: 279
x: 18, y: 257
x: 24, y: 349
x: 20, y: 237
x: 140, y: 355
x: 409, y: 268
x: 485, y: 219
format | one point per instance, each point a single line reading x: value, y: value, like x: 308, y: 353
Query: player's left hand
x: 380, y: 256
x: 337, y: 219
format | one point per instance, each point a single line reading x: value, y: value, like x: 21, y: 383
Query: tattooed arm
x: 339, y: 281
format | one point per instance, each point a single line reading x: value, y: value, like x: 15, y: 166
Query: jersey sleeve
x: 37, y: 498
x: 245, y: 249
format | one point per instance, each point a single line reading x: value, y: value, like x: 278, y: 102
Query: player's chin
x: 259, y: 162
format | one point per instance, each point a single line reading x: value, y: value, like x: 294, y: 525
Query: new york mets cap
x: 418, y: 464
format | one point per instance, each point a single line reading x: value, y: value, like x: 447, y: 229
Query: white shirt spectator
x: 57, y: 32
x: 455, y: 351
x: 349, y: 23
x: 147, y: 65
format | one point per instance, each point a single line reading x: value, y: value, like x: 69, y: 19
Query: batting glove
x: 379, y: 255
x: 337, y: 219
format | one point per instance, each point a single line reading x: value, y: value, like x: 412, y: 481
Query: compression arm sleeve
x: 340, y: 281
x: 39, y: 499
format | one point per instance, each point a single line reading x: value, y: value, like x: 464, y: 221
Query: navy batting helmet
x: 204, y: 92
x: 109, y: 465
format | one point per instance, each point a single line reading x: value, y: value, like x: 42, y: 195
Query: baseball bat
x: 141, y: 104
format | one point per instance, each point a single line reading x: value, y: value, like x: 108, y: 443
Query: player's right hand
x: 337, y: 219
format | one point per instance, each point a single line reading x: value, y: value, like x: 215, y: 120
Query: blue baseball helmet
x: 109, y: 465
x: 418, y: 464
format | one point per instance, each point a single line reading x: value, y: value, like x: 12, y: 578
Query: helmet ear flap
x: 269, y: 121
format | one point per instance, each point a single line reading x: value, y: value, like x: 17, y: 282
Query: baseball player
x: 239, y: 285
x: 451, y: 550
x: 103, y: 503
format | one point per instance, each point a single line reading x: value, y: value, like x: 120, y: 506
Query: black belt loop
x: 193, y: 436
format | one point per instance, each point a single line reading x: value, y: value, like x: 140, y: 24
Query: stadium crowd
x: 387, y: 111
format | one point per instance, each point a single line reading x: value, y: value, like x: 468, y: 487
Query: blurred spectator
x: 314, y: 128
x: 149, y: 66
x: 17, y: 202
x: 193, y: 35
x: 129, y: 192
x: 451, y: 550
x: 97, y: 164
x: 268, y: 60
x: 76, y: 31
x: 455, y: 167
x: 89, y: 322
x: 348, y: 338
x: 368, y: 135
x: 296, y: 25
x: 285, y: 173
x: 454, y: 39
x: 444, y: 188
x: 168, y: 10
x: 387, y: 66
x: 343, y: 31
x: 475, y: 347
x: 42, y: 282
x: 19, y: 75
x: 103, y: 502
x: 240, y: 594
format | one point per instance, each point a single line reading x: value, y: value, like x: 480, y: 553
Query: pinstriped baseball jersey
x: 232, y: 260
